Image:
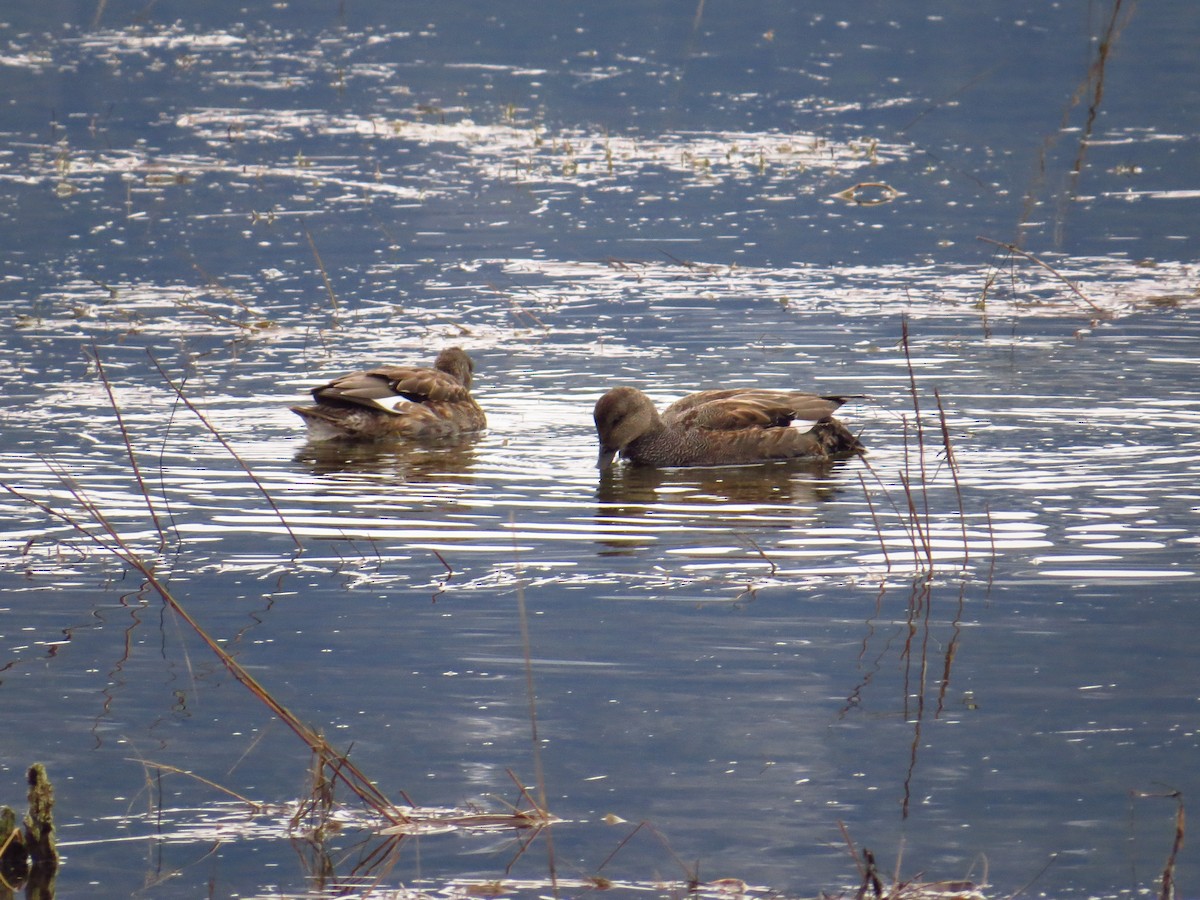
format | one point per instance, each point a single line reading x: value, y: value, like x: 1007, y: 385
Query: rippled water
x: 975, y: 669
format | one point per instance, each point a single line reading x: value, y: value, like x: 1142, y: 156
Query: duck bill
x: 606, y: 458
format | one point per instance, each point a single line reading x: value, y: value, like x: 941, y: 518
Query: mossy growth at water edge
x: 30, y: 852
x: 39, y: 820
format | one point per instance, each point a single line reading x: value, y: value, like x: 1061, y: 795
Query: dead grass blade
x: 920, y: 428
x: 150, y: 764
x: 183, y: 398
x: 527, y: 649
x: 1074, y: 288
x: 952, y: 463
x: 333, y: 300
x: 133, y: 461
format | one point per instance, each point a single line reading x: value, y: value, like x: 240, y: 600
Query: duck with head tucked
x: 720, y: 428
x: 397, y: 401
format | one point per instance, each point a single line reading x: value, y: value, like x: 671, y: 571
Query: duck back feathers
x: 720, y: 427
x: 397, y: 401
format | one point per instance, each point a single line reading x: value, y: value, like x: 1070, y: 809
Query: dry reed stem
x: 228, y: 448
x: 1167, y: 888
x: 214, y: 284
x: 759, y: 550
x: 850, y: 847
x: 133, y: 462
x: 912, y: 385
x: 1017, y: 251
x: 254, y: 805
x: 952, y: 462
x: 112, y: 542
x: 661, y: 838
x: 887, y: 560
x: 900, y: 517
x: 333, y: 301
x: 527, y: 650
x: 1168, y: 876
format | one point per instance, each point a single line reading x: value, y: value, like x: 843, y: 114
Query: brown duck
x: 720, y: 428
x: 397, y: 401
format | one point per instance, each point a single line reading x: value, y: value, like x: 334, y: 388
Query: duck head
x: 622, y: 416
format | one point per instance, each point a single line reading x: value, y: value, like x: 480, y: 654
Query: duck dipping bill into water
x: 397, y: 402
x: 720, y: 428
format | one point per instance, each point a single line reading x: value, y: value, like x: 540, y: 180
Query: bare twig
x: 112, y: 542
x: 887, y: 560
x: 1017, y: 251
x: 254, y: 806
x: 333, y: 301
x: 920, y: 425
x: 133, y: 462
x: 228, y: 447
x: 759, y: 550
x: 527, y: 649
x: 952, y: 462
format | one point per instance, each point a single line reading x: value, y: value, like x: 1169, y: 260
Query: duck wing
x: 392, y: 387
x: 746, y: 408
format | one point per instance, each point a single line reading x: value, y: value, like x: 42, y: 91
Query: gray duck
x: 720, y: 428
x: 397, y: 401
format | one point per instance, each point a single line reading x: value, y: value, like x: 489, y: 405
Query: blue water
x: 746, y: 660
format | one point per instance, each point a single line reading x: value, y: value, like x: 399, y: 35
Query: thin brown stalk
x: 527, y: 650
x: 952, y: 462
x: 905, y: 520
x: 759, y: 550
x: 442, y: 560
x: 1168, y: 876
x: 1017, y: 251
x: 356, y: 781
x: 333, y: 301
x: 850, y: 847
x: 987, y: 517
x: 1167, y: 887
x: 215, y: 285
x: 228, y: 448
x: 917, y: 531
x: 920, y: 426
x: 887, y: 560
x: 255, y: 806
x: 217, y: 317
x: 1040, y: 872
x: 133, y: 462
x: 661, y: 838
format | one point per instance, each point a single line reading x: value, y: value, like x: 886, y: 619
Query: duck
x: 736, y: 426
x: 410, y: 402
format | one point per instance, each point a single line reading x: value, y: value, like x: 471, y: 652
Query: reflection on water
x: 629, y: 489
x: 641, y: 505
x: 427, y: 461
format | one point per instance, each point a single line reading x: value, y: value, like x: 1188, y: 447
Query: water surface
x: 745, y: 659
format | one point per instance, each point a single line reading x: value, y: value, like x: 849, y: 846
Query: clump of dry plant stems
x: 331, y: 767
x: 917, y: 474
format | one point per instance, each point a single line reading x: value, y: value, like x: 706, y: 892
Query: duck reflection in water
x: 445, y: 459
x: 691, y: 500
